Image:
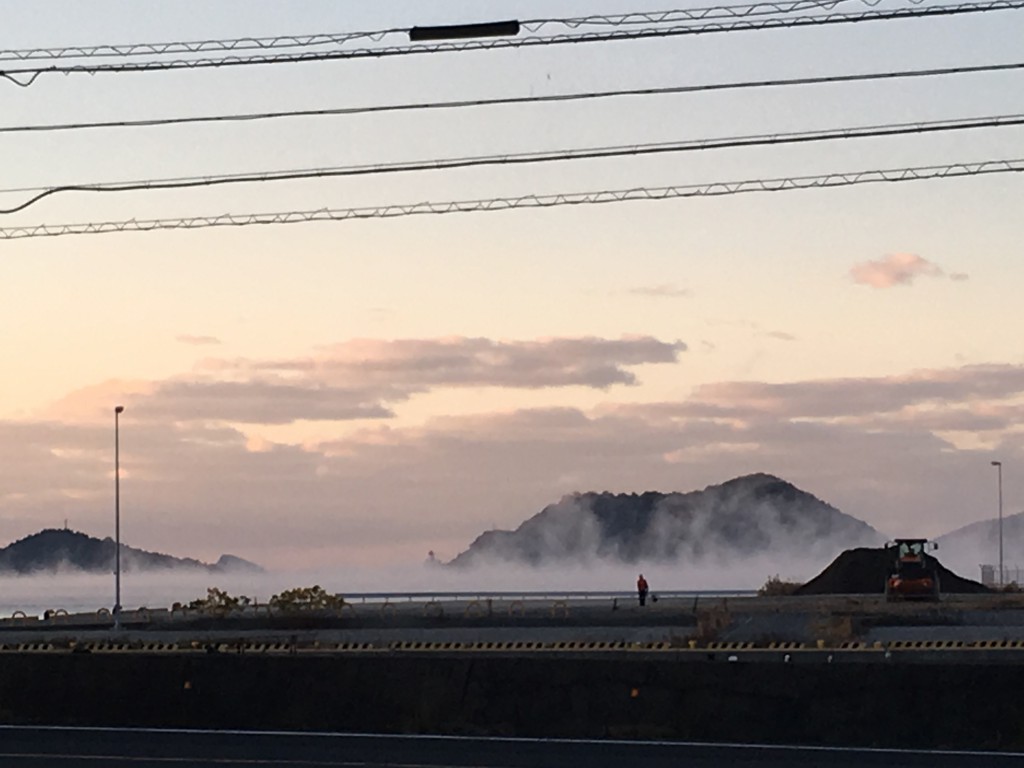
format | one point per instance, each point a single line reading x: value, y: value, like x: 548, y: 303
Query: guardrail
x: 386, y: 601
x: 561, y: 595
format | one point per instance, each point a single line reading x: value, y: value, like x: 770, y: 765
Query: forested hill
x: 751, y: 515
x: 53, y: 550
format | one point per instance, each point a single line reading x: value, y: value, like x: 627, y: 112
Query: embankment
x: 924, y: 705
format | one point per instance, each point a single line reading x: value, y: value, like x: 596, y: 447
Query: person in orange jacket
x: 641, y: 589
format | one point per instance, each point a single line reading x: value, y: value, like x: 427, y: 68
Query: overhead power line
x: 590, y: 153
x: 285, y: 42
x: 712, y: 189
x: 25, y: 76
x: 514, y: 100
x: 695, y: 14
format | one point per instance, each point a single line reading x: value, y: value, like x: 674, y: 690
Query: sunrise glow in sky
x: 364, y: 392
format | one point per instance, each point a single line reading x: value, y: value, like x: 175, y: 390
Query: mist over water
x: 78, y: 592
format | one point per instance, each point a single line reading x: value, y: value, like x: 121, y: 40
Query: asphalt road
x: 136, y: 748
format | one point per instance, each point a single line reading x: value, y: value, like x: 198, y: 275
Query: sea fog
x: 74, y: 591
x: 78, y: 592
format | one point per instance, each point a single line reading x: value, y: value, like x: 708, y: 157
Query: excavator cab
x: 914, y: 575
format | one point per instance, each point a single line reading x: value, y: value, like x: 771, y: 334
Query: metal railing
x: 469, y: 597
x: 1012, y: 574
x: 537, y: 595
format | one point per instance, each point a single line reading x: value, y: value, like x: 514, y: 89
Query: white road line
x: 116, y: 759
x: 516, y: 740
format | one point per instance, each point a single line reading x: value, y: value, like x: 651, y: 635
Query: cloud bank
x: 203, y: 474
x: 367, y: 378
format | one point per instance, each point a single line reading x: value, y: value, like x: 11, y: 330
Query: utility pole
x: 999, y: 470
x: 117, y: 516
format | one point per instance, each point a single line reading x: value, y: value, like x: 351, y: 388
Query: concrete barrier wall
x: 884, y: 705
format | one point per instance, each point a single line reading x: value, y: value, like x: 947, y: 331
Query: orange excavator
x: 915, y: 574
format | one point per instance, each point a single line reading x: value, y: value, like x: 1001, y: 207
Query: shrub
x: 777, y: 587
x: 217, y: 600
x: 306, y: 598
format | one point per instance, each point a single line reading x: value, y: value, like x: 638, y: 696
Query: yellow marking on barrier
x: 35, y: 647
x: 349, y: 646
x: 589, y: 646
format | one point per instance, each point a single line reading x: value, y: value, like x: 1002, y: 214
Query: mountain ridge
x: 56, y: 549
x: 744, y: 516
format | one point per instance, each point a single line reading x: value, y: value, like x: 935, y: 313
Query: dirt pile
x: 863, y: 571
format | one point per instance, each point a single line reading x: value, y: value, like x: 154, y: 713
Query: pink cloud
x: 893, y: 269
x: 197, y: 341
x: 663, y: 291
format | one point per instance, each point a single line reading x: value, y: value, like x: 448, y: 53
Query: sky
x: 361, y: 393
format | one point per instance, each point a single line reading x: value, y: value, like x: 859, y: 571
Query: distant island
x: 753, y: 515
x: 54, y: 549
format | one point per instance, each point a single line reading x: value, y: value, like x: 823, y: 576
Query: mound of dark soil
x: 863, y: 571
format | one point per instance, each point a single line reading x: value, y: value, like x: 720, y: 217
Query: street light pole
x: 999, y: 469
x: 117, y: 516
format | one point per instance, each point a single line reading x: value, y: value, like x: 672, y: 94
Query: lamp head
x: 119, y: 409
x: 997, y: 463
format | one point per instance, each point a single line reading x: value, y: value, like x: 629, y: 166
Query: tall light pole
x: 117, y: 516
x: 999, y: 469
